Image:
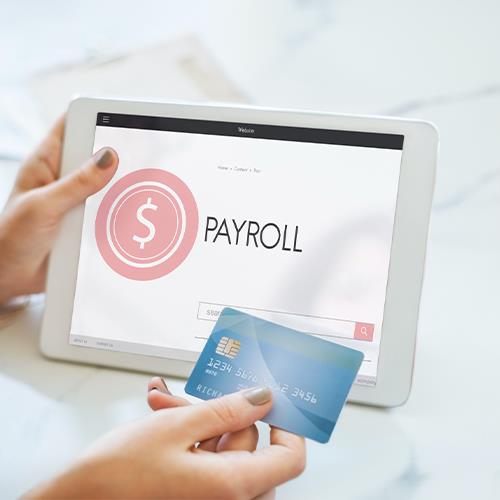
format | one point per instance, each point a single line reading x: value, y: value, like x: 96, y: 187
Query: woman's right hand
x: 160, y: 397
x: 159, y: 456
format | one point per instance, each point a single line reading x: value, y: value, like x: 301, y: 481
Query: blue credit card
x: 310, y: 377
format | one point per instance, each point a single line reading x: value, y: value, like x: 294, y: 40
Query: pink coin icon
x: 146, y: 224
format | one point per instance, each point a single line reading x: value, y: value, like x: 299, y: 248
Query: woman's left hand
x: 39, y: 200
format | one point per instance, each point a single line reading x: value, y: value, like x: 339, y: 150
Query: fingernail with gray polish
x: 104, y: 158
x: 258, y: 395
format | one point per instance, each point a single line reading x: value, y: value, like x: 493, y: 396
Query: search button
x: 364, y: 331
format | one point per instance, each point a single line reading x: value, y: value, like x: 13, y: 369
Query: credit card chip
x: 228, y: 347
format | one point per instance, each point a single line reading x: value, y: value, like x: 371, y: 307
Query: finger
x: 283, y: 460
x: 48, y: 152
x: 226, y: 414
x: 42, y: 167
x: 245, y: 439
x: 159, y: 384
x: 160, y: 397
x: 57, y: 130
x: 158, y: 400
x: 209, y: 444
x: 73, y: 189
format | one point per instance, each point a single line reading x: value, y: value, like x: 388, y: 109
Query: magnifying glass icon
x: 364, y: 331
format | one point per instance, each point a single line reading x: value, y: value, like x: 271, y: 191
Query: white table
x: 342, y: 56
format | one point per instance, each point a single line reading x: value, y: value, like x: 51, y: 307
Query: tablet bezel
x: 408, y: 250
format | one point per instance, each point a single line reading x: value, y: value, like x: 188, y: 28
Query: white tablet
x: 315, y: 221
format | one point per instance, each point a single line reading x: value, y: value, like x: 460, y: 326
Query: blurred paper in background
x: 181, y: 69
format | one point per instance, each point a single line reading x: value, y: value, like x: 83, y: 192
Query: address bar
x: 316, y: 325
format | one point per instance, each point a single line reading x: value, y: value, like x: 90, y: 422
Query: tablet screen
x: 290, y: 224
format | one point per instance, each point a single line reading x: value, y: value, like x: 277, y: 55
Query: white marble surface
x: 427, y: 59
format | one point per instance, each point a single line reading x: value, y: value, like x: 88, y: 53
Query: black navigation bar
x: 253, y: 131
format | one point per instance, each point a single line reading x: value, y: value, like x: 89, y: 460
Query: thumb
x: 73, y: 189
x: 226, y: 414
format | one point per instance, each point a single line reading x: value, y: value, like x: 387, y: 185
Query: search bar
x: 315, y: 325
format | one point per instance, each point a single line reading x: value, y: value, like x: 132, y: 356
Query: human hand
x: 159, y: 397
x: 38, y: 202
x: 158, y: 457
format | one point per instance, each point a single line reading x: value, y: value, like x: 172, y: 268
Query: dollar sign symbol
x: 152, y: 230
